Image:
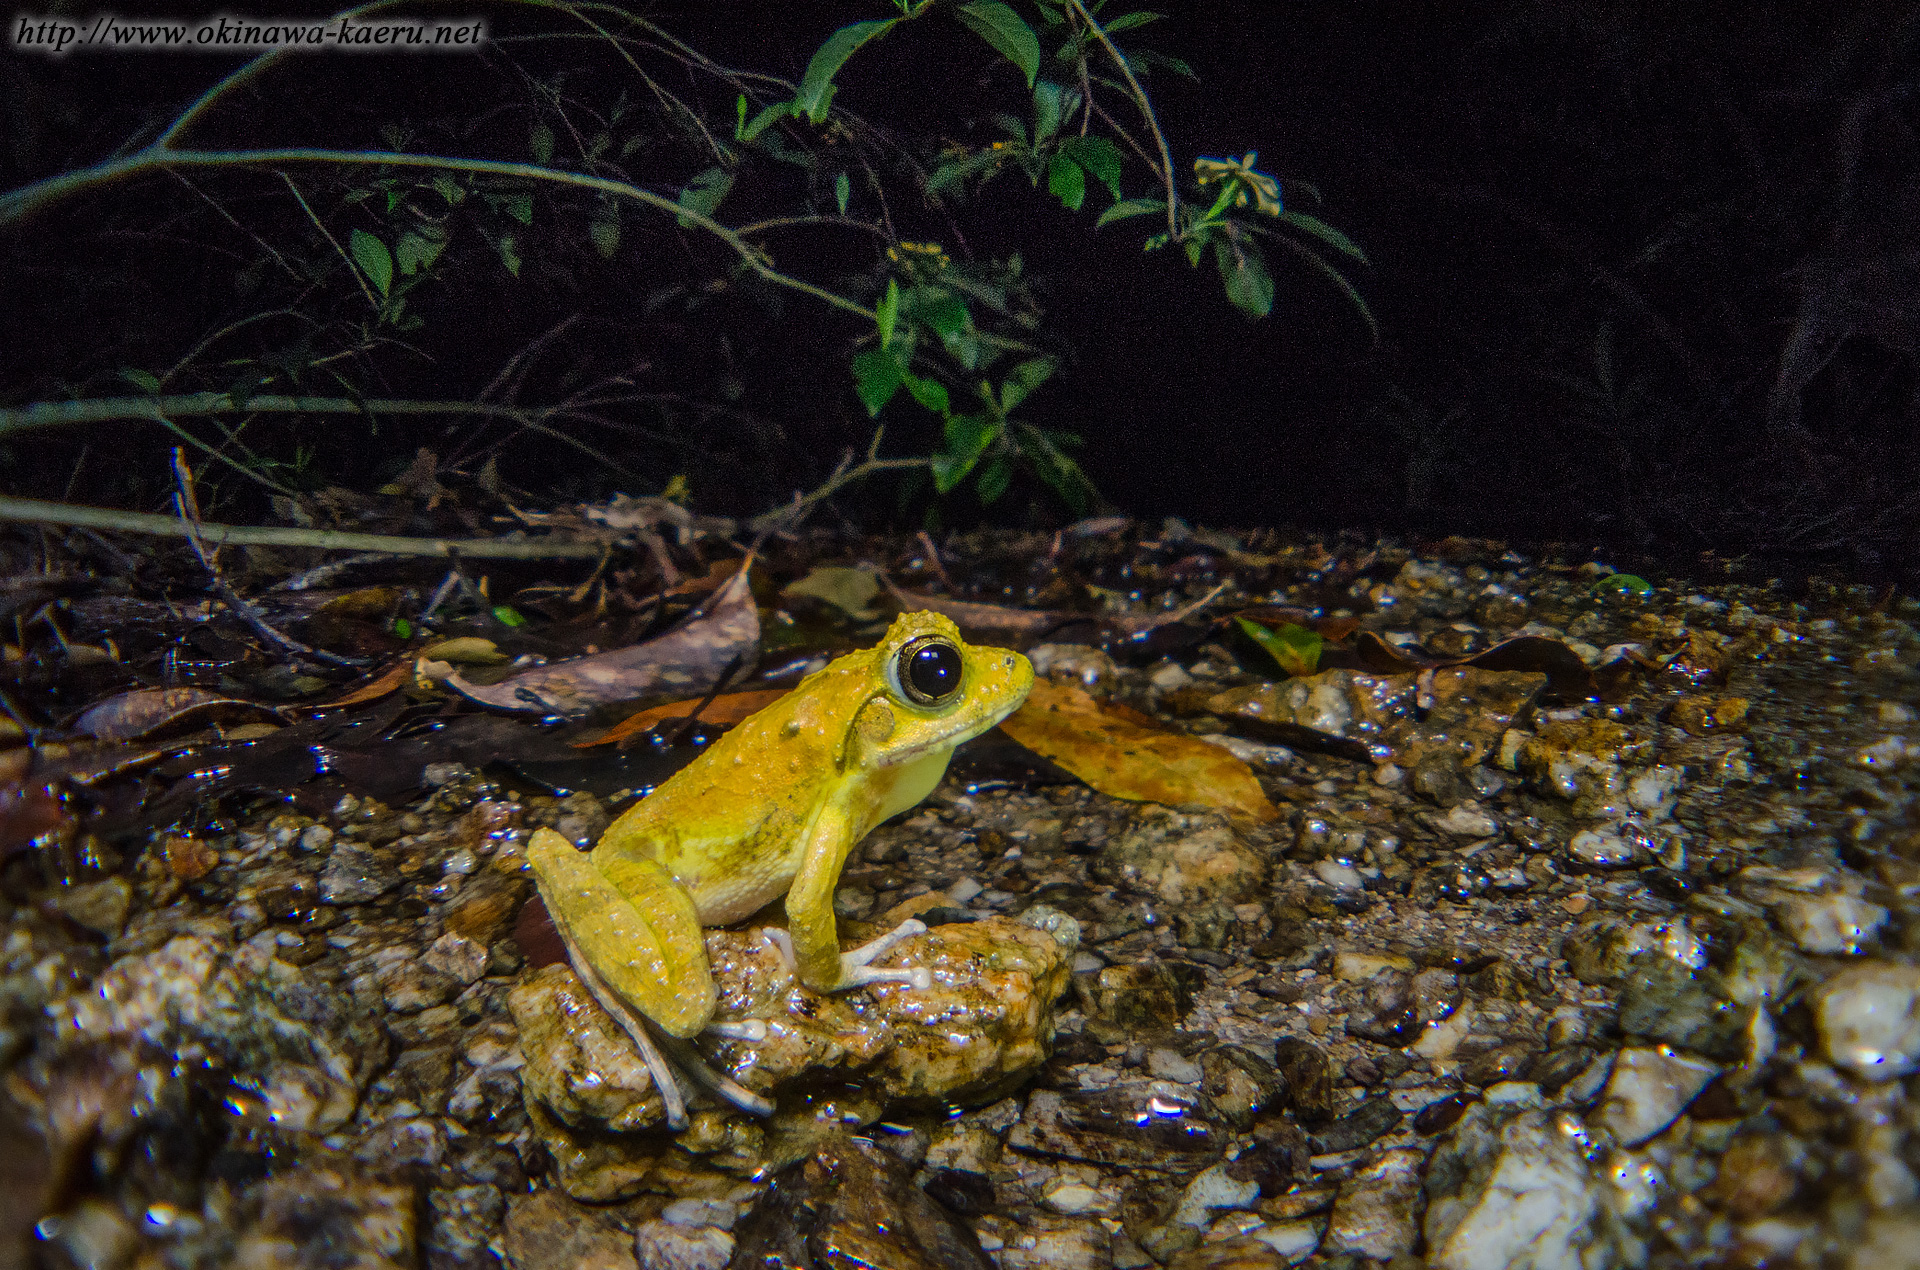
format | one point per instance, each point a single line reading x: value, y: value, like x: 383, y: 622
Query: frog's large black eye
x: 930, y: 671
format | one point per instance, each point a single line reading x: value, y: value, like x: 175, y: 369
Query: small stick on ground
x: 189, y: 510
x: 933, y: 558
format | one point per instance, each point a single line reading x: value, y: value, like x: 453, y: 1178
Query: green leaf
x: 1249, y: 285
x: 1061, y: 474
x: 842, y: 189
x: 816, y: 86
x: 887, y: 313
x: 1294, y: 648
x: 1066, y: 181
x: 1005, y: 30
x: 1023, y: 379
x: 505, y: 615
x: 739, y: 117
x: 606, y: 236
x: 373, y: 258
x: 993, y: 480
x: 518, y: 206
x: 968, y: 437
x: 509, y: 256
x: 1131, y: 207
x: 704, y: 192
x: 930, y: 393
x: 1128, y: 21
x: 1098, y: 156
x: 940, y: 311
x: 444, y: 186
x: 767, y: 117
x: 1046, y: 110
x: 1326, y: 233
x: 143, y: 380
x: 403, y: 628
x: 415, y: 251
x: 876, y: 377
x: 540, y: 143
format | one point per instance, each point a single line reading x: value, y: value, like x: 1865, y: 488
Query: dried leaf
x: 728, y: 708
x: 139, y: 713
x: 388, y: 680
x: 1022, y: 628
x: 688, y: 659
x: 1118, y: 756
x: 852, y: 591
x: 466, y: 650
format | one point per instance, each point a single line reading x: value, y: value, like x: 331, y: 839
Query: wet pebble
x: 1869, y: 1019
x: 1649, y: 1089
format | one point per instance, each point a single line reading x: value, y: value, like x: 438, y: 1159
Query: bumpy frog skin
x: 773, y: 808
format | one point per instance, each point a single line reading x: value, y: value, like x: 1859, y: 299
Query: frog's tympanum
x: 772, y: 808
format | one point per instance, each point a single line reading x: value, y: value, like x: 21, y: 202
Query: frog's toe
x: 856, y: 969
x: 739, y: 1030
x: 782, y: 944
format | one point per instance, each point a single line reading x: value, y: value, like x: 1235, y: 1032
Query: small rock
x: 360, y: 1223
x: 1239, y: 1082
x: 1309, y: 1076
x: 1666, y: 1000
x: 1378, y: 1212
x: 665, y: 1245
x: 1648, y: 1091
x: 1169, y: 1064
x: 1512, y: 1191
x: 857, y: 1204
x: 1869, y: 1019
x: 99, y: 906
x: 547, y: 1231
x: 354, y: 876
x: 1070, y: 1195
x: 1371, y: 1119
x: 1212, y: 1190
x: 1468, y: 821
x: 1255, y: 1250
x: 459, y: 958
x: 1833, y: 923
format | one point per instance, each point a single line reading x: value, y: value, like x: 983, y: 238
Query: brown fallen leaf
x: 389, y: 680
x: 727, y: 708
x: 144, y: 711
x: 1118, y: 756
x: 688, y: 659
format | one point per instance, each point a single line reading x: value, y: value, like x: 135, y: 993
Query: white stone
x: 1524, y: 1199
x: 1172, y: 1065
x: 1650, y: 1088
x: 1374, y: 1212
x: 1837, y: 923
x: 1468, y: 821
x: 1070, y: 1195
x: 457, y: 956
x: 661, y: 1245
x: 964, y: 890
x: 1654, y: 790
x: 1251, y: 752
x: 1294, y: 1240
x: 1869, y: 1017
x: 1602, y: 849
x: 701, y: 1212
x: 1211, y: 1190
x: 1169, y: 676
x: 1339, y: 876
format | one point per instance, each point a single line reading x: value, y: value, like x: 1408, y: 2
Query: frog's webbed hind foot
x: 689, y: 1061
x: 855, y: 970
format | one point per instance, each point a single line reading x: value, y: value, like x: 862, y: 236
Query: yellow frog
x: 772, y: 808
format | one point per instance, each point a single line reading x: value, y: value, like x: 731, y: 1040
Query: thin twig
x: 35, y: 511
x: 189, y: 509
x: 844, y: 474
x: 352, y: 268
x: 1146, y: 108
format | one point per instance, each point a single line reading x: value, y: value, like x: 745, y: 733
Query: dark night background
x: 1646, y: 277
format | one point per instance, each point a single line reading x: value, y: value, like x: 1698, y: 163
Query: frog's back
x: 729, y: 824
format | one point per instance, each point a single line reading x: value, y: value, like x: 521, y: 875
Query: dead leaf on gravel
x: 144, y: 711
x: 688, y: 659
x: 1120, y: 757
x: 728, y: 708
x: 389, y: 680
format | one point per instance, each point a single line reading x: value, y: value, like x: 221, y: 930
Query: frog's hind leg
x: 635, y: 1028
x: 689, y: 1061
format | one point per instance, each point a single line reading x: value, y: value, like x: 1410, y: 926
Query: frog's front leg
x: 811, y: 941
